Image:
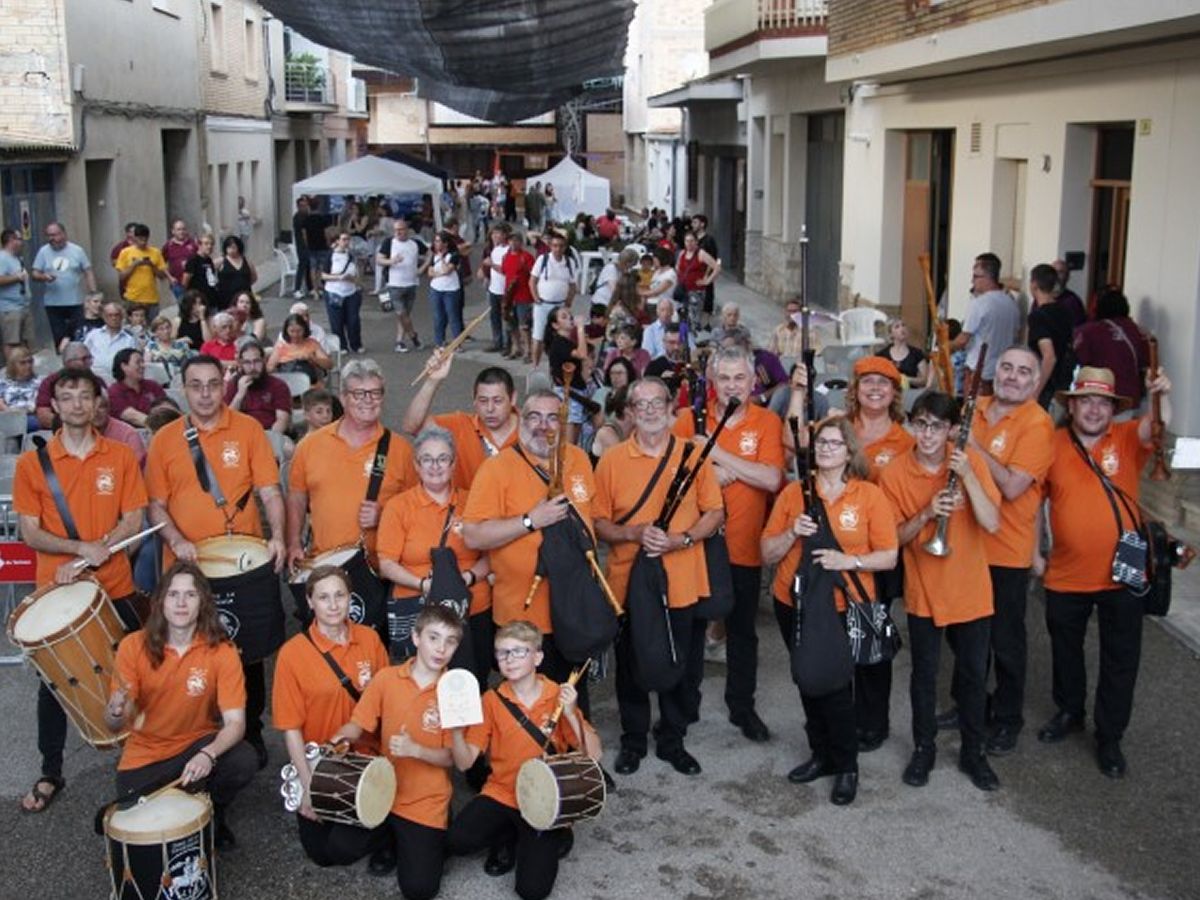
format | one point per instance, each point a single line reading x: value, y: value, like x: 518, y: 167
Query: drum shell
x: 77, y: 661
x: 579, y: 782
x: 340, y: 791
x: 369, y: 594
x: 250, y: 603
x: 138, y: 862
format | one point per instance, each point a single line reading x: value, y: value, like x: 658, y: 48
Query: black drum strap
x: 207, y: 477
x: 60, y: 501
x: 641, y: 501
x: 540, y: 737
x: 354, y: 693
x: 446, y: 526
x: 379, y: 466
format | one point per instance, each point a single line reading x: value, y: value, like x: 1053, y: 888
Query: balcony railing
x: 305, y: 82
x: 733, y: 23
x: 356, y: 100
x: 785, y: 14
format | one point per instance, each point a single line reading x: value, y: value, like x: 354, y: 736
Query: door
x: 28, y: 205
x: 823, y: 206
x: 926, y: 224
x: 1111, y: 191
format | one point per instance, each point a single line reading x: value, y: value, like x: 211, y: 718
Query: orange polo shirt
x: 412, y: 524
x: 1081, y: 519
x: 469, y: 449
x: 182, y: 699
x: 335, y: 477
x: 758, y: 437
x: 948, y: 589
x: 238, y: 453
x: 863, y: 522
x: 505, y: 486
x: 621, y: 476
x: 507, y: 743
x: 309, y: 698
x: 99, y: 489
x: 1022, y: 439
x: 879, y: 453
x: 392, y: 702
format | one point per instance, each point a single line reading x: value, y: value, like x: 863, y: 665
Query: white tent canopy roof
x: 576, y: 189
x: 369, y: 175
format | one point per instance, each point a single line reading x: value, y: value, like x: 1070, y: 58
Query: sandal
x: 40, y: 796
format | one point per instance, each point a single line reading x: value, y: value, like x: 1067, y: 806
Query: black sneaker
x: 416, y: 342
x: 916, y: 773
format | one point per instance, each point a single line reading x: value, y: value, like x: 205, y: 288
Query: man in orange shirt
x: 238, y: 461
x: 507, y: 509
x: 400, y: 703
x: 478, y: 436
x: 1014, y: 436
x: 174, y: 680
x: 951, y: 594
x: 101, y: 487
x: 1079, y: 574
x: 622, y: 476
x: 748, y: 459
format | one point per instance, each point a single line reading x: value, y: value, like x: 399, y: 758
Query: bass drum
x: 560, y: 790
x: 246, y: 589
x: 162, y: 848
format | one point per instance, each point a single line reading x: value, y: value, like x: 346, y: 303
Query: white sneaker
x: 714, y: 651
x: 401, y: 347
x: 298, y: 295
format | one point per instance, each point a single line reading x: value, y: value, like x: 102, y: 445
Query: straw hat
x: 1091, y: 381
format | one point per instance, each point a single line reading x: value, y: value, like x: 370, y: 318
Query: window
x: 217, y: 37
x: 251, y: 57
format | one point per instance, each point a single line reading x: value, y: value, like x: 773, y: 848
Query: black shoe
x: 566, y: 841
x: 976, y: 767
x: 808, y: 771
x: 682, y: 761
x: 1003, y: 741
x: 223, y: 838
x: 948, y: 720
x: 609, y: 783
x: 845, y: 789
x: 871, y: 740
x: 383, y: 861
x: 1111, y: 760
x: 627, y: 762
x: 916, y: 773
x: 416, y: 342
x: 752, y: 726
x: 260, y: 750
x: 500, y: 860
x: 1062, y: 724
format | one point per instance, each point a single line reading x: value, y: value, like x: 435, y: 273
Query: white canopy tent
x: 370, y: 175
x: 576, y: 189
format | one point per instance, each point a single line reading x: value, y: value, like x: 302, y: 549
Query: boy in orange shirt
x: 492, y: 819
x: 400, y: 703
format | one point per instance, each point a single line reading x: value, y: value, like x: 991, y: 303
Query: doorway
x: 928, y: 176
x: 1111, y: 190
x: 823, y: 205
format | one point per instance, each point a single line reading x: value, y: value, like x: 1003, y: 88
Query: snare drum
x: 246, y: 589
x: 70, y: 633
x: 556, y: 791
x: 162, y: 849
x: 352, y: 789
x: 368, y: 599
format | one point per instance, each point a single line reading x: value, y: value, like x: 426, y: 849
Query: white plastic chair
x: 156, y: 371
x: 858, y: 326
x: 12, y: 429
x: 297, y: 382
x: 34, y: 439
x: 180, y: 399
x: 288, y: 267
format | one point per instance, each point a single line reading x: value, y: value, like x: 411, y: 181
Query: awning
x: 33, y: 148
x: 728, y: 90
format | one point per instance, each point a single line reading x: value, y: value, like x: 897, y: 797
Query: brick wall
x: 35, y: 84
x: 237, y: 86
x: 862, y: 24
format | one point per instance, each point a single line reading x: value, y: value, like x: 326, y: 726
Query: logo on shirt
x: 883, y: 457
x: 1110, y: 463
x: 106, y: 481
x: 61, y: 264
x: 579, y: 488
x: 364, y: 672
x: 197, y: 682
x: 231, y: 454
x: 998, y: 443
x: 430, y: 720
x: 748, y: 443
x: 848, y: 518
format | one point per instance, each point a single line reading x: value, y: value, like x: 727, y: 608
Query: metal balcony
x: 309, y: 85
x: 740, y: 33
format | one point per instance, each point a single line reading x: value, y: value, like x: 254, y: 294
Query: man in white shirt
x: 105, y: 343
x: 993, y: 318
x: 553, y: 284
x: 64, y: 268
x: 652, y: 335
x: 402, y: 255
x: 492, y: 268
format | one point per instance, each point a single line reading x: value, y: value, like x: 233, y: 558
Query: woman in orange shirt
x: 865, y: 527
x: 172, y: 679
x: 309, y: 703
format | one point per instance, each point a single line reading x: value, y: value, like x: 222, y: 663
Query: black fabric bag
x: 448, y: 588
x: 820, y: 660
x: 874, y: 637
x: 719, y: 602
x: 659, y: 657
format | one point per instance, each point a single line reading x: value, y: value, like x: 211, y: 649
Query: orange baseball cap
x: 876, y: 365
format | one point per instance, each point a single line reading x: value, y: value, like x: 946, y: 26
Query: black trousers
x: 420, y: 855
x: 970, y: 642
x: 741, y: 640
x: 829, y: 721
x: 483, y: 646
x: 1119, y: 614
x: 873, y: 684
x: 1008, y: 657
x: 61, y: 319
x: 233, y: 771
x: 674, y: 706
x: 558, y: 668
x: 485, y: 822
x: 693, y: 676
x: 256, y: 698
x: 334, y: 844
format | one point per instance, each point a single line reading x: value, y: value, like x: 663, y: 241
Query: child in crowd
x: 318, y: 409
x: 135, y: 322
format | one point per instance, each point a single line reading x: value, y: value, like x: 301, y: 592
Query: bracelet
x: 212, y: 759
x: 474, y: 579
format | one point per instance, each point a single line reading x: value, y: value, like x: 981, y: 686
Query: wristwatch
x: 528, y: 523
x: 858, y: 563
x: 688, y: 540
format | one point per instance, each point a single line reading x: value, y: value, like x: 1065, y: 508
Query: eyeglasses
x: 929, y: 426
x: 360, y: 394
x: 828, y: 444
x: 533, y: 419
x: 517, y: 653
x: 441, y: 461
x: 658, y: 404
x: 206, y: 387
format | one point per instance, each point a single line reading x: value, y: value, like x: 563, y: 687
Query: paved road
x: 1057, y: 829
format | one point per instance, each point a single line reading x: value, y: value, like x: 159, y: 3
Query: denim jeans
x: 447, y: 310
x: 344, y: 319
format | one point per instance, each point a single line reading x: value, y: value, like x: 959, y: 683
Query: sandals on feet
x: 40, y: 795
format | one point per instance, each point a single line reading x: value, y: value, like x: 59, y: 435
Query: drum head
x: 239, y: 553
x: 53, y: 610
x: 375, y: 793
x: 169, y: 816
x: 339, y: 556
x: 537, y: 794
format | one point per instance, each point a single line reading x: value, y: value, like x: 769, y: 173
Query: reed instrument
x: 673, y: 501
x: 448, y: 350
x: 808, y: 357
x: 557, y: 461
x: 938, y: 545
x: 940, y: 332
x: 552, y: 722
x: 1158, y: 470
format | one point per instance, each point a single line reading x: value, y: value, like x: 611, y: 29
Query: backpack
x: 568, y: 256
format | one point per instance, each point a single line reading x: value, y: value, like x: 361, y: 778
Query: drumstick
x: 604, y: 585
x: 121, y: 545
x: 558, y: 710
x: 102, y: 812
x: 450, y: 347
x: 242, y: 561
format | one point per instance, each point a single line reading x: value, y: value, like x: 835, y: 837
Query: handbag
x: 874, y: 637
